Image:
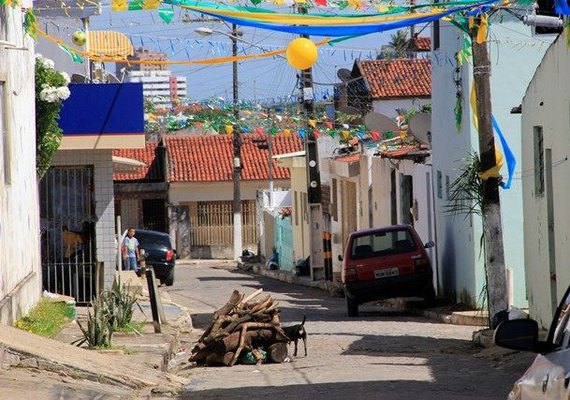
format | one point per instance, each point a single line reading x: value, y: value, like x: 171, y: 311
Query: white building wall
x: 102, y: 163
x: 218, y: 191
x: 389, y: 107
x: 461, y: 269
x: 157, y: 84
x: 546, y: 104
x: 514, y: 55
x: 20, y: 273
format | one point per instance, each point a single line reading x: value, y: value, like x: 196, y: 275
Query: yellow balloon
x: 302, y: 53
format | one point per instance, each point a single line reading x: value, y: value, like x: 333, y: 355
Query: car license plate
x: 386, y: 272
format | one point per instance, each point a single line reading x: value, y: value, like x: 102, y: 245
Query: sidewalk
x: 149, y: 351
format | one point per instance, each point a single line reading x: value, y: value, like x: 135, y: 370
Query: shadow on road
x: 377, y: 390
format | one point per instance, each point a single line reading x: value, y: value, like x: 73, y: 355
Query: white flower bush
x: 51, y: 90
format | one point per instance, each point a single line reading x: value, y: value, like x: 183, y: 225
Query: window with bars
x: 211, y: 222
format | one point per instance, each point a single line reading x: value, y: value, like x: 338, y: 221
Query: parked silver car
x: 549, y: 375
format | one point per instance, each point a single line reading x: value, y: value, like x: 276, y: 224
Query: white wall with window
x: 20, y: 280
x: 546, y: 193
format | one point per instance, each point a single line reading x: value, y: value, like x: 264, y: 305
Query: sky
x: 265, y: 80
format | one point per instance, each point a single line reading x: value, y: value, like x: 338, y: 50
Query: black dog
x: 296, y: 332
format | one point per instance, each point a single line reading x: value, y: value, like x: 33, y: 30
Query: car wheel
x: 351, y: 306
x: 169, y: 280
x: 429, y: 297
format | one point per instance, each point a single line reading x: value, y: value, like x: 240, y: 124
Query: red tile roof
x: 398, y: 78
x: 152, y: 171
x: 416, y: 151
x: 420, y: 43
x: 210, y: 158
x: 354, y: 157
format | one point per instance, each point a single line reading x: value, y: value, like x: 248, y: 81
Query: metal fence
x: 68, y: 232
x: 211, y: 223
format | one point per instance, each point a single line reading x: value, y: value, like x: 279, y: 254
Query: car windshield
x: 152, y: 239
x: 382, y: 243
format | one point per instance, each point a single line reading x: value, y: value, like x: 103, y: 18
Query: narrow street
x: 382, y: 354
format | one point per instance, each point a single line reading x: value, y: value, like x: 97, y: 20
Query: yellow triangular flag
x: 119, y: 5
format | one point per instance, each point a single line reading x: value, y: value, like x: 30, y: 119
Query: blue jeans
x: 131, y: 264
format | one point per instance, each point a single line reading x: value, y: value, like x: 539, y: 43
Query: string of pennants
x: 260, y: 122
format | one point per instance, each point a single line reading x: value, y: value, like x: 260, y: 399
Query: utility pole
x: 237, y: 152
x: 313, y: 173
x: 492, y: 229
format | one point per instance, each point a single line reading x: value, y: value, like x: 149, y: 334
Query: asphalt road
x: 383, y: 354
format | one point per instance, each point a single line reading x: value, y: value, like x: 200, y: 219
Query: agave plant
x: 98, y: 332
x: 120, y: 301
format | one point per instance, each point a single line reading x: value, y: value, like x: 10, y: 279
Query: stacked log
x: 242, y: 325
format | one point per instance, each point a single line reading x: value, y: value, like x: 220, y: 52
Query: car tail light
x: 350, y: 274
x: 421, y: 264
x: 169, y: 255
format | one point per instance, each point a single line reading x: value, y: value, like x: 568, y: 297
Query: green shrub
x: 99, y: 330
x: 47, y: 318
x: 112, y: 311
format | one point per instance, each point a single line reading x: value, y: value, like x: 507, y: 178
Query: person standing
x: 130, y: 251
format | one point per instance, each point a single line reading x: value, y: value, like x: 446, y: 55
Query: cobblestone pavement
x: 383, y: 354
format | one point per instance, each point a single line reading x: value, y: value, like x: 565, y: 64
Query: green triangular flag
x: 256, y: 2
x: 135, y: 5
x: 74, y: 56
x: 166, y: 14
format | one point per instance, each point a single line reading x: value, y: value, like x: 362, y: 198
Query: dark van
x: 383, y: 263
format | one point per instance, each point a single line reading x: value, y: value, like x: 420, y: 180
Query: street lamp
x: 234, y: 36
x: 236, y: 138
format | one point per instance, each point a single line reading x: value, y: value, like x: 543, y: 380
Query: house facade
x: 514, y: 56
x: 79, y: 247
x: 545, y: 144
x: 20, y: 266
x: 200, y: 193
x: 365, y: 189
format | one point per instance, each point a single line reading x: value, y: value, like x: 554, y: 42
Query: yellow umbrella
x: 109, y: 44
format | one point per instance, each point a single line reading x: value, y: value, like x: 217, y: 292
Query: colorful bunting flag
x: 119, y: 5
x: 166, y: 14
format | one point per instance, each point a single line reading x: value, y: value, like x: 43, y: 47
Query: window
x: 538, y: 161
x: 5, y: 144
x: 439, y: 185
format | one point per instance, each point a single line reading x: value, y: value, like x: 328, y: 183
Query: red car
x: 383, y: 263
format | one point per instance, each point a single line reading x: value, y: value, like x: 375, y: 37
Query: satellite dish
x: 344, y: 74
x: 420, y: 127
x: 379, y: 122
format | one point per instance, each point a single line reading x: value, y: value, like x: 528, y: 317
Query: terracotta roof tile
x: 399, y: 78
x: 152, y: 171
x: 406, y: 152
x: 210, y: 158
x: 349, y: 158
x: 421, y: 43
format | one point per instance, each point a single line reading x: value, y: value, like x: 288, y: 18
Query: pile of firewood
x: 242, y: 326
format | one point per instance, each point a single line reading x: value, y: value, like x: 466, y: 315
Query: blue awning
x: 103, y: 109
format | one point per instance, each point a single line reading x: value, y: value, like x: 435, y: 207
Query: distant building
x: 161, y: 87
x: 143, y: 55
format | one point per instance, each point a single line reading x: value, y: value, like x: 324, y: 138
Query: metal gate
x: 68, y: 232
